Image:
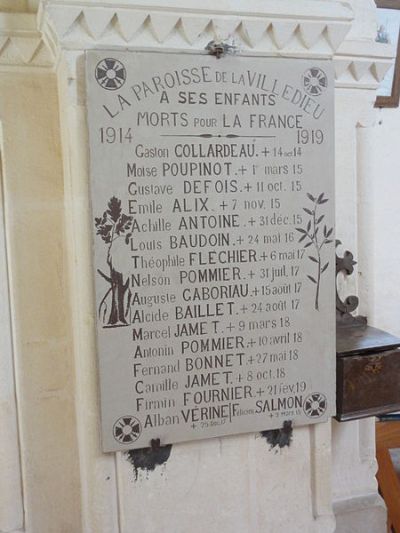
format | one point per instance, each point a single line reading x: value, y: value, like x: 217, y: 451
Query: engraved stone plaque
x: 212, y: 187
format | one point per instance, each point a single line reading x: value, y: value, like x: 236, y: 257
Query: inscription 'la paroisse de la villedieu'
x: 212, y: 198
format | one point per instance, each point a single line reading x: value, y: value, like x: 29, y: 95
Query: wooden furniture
x: 368, y: 384
x: 368, y: 372
x: 367, y: 359
x: 388, y: 437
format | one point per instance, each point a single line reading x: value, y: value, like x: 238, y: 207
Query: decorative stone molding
x: 362, y: 64
x: 285, y: 30
x: 74, y: 26
x: 20, y: 42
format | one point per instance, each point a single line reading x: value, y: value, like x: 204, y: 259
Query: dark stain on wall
x: 279, y: 437
x: 146, y: 459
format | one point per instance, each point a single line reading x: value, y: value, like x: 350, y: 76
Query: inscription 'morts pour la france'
x: 212, y: 199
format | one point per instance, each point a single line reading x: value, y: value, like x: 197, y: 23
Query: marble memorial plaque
x: 212, y: 187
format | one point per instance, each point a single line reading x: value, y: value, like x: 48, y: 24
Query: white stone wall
x: 379, y: 203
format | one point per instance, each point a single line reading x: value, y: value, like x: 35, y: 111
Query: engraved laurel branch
x: 316, y: 238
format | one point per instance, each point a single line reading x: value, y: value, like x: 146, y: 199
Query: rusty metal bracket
x: 220, y: 48
x: 344, y: 308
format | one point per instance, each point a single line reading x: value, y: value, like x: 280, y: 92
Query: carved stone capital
x: 305, y: 29
x: 21, y: 44
x: 362, y: 64
x: 310, y: 28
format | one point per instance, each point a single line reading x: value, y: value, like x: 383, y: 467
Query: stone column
x: 360, y: 65
x: 39, y: 482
